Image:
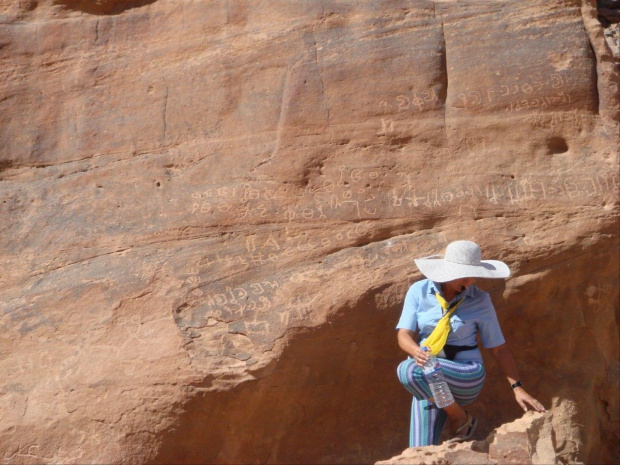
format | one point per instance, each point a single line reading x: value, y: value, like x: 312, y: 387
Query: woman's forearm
x: 507, y: 363
x: 509, y: 367
x: 406, y: 341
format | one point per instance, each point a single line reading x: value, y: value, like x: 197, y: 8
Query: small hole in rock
x: 557, y: 145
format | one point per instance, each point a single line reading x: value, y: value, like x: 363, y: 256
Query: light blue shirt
x: 475, y: 315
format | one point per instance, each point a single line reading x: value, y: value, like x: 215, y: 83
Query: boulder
x: 529, y: 440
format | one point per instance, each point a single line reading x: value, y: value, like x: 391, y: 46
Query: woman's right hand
x: 406, y: 341
x: 420, y: 356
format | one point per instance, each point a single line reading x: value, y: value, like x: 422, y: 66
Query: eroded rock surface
x: 530, y: 440
x: 210, y: 212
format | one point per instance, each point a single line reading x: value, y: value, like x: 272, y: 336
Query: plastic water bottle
x: 437, y: 382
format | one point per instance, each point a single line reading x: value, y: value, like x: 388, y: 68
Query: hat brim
x: 441, y: 271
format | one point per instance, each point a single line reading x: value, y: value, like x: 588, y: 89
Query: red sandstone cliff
x: 209, y: 212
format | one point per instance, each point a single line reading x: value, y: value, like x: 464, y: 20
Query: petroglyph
x: 536, y: 92
x: 21, y: 453
x: 413, y: 101
x: 366, y: 193
x: 259, y: 308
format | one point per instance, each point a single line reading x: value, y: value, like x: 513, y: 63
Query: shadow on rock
x: 103, y: 7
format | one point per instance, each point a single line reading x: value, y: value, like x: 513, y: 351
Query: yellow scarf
x: 437, y: 339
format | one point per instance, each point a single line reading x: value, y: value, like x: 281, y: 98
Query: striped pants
x: 464, y: 379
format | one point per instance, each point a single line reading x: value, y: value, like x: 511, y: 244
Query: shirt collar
x: 435, y: 287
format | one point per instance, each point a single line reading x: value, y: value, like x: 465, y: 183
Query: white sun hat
x: 463, y: 259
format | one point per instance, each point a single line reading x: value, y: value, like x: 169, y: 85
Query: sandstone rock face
x: 210, y: 210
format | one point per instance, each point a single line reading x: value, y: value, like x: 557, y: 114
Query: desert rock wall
x: 210, y: 210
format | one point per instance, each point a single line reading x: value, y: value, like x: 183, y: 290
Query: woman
x: 450, y: 287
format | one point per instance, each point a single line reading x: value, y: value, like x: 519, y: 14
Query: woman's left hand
x: 525, y: 400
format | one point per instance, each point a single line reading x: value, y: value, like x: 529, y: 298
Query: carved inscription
x: 352, y: 197
x: 573, y: 118
x: 601, y: 292
x: 511, y: 193
x: 370, y: 192
x: 233, y: 302
x: 264, y: 249
x: 538, y: 102
x: 256, y: 308
x: 413, y: 101
x: 22, y: 452
x: 421, y: 245
x: 536, y: 92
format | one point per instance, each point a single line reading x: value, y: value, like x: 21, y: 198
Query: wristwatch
x: 516, y: 385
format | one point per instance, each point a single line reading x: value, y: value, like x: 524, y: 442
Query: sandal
x: 464, y: 432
